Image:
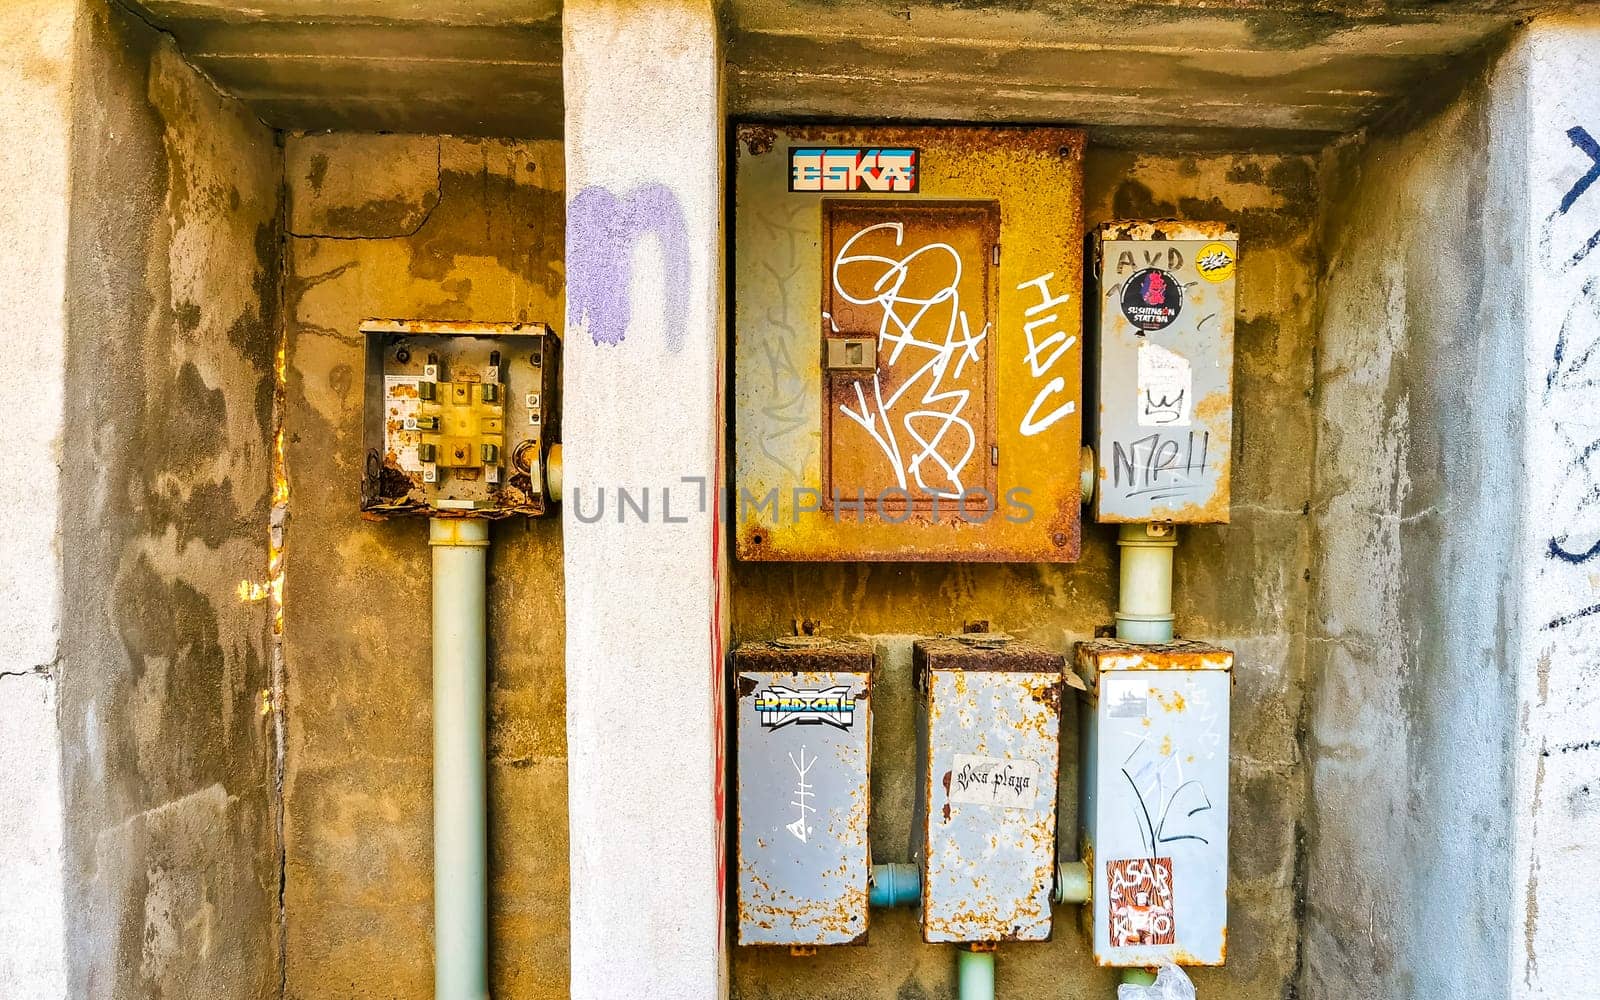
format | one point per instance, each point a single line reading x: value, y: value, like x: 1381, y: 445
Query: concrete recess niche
x: 215, y: 702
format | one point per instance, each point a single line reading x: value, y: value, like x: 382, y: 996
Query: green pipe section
x: 460, y: 759
x: 1144, y: 600
x: 974, y: 974
x: 1139, y: 977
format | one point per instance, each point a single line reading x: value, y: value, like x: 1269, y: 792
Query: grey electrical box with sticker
x: 990, y: 718
x: 804, y: 739
x: 1164, y: 423
x: 460, y: 418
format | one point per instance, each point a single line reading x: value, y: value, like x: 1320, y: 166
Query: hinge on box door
x: 994, y: 256
x: 994, y: 454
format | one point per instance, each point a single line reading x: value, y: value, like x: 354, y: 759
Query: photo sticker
x: 1152, y: 299
x: 1140, y: 898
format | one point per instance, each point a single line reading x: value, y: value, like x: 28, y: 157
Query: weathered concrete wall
x: 172, y: 315
x: 1414, y: 632
x: 1556, y: 855
x: 37, y: 58
x: 642, y: 408
x: 1242, y: 585
x: 410, y: 227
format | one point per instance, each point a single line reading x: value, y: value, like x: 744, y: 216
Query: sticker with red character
x: 1152, y: 299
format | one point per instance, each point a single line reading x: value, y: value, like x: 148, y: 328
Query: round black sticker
x: 1152, y: 298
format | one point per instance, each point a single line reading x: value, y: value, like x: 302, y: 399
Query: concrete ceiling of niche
x: 1301, y: 70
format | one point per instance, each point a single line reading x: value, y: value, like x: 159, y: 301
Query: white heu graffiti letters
x: 924, y: 456
x: 779, y: 706
x: 1043, y: 354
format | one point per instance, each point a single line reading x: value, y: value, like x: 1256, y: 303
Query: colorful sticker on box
x: 1216, y: 262
x: 1152, y: 299
x: 852, y: 168
x: 1139, y: 896
x: 779, y: 706
x: 994, y: 781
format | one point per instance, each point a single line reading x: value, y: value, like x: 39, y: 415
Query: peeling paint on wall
x: 173, y: 295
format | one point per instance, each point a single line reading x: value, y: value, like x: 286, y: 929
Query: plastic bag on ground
x: 1170, y: 984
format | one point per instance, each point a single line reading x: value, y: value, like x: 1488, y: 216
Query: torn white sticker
x: 1166, y: 387
x: 994, y: 781
x: 401, y: 399
x: 1125, y: 697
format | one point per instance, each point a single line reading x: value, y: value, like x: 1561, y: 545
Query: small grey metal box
x: 993, y: 709
x: 803, y: 796
x: 1164, y: 422
x: 1155, y: 800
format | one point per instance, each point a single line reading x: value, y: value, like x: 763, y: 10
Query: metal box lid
x: 803, y: 798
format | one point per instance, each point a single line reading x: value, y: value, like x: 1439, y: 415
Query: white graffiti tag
x: 801, y: 827
x: 1043, y: 354
x: 937, y: 439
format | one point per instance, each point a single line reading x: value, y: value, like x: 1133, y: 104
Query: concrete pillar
x: 1556, y: 849
x: 36, y: 60
x: 642, y: 424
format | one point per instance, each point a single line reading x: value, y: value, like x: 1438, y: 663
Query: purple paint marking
x: 602, y: 230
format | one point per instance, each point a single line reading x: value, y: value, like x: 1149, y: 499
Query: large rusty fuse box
x: 988, y: 798
x: 1155, y: 800
x: 804, y: 743
x: 907, y: 358
x: 459, y: 418
x: 1164, y: 422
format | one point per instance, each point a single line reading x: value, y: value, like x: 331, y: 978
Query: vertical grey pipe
x: 460, y: 759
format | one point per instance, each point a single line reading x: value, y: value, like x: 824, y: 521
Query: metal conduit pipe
x: 460, y: 759
x: 1144, y: 602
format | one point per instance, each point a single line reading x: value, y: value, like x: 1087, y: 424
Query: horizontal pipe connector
x: 1072, y: 883
x: 894, y: 885
x: 552, y: 474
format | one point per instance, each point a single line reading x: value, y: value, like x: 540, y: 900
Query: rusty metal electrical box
x: 907, y: 353
x: 988, y: 799
x: 1155, y: 800
x: 460, y: 418
x: 1165, y: 302
x: 804, y: 735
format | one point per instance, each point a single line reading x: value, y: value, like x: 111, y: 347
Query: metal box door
x: 1164, y: 426
x: 803, y: 794
x: 917, y: 279
x: 989, y: 789
x: 1155, y: 807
